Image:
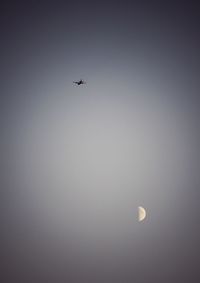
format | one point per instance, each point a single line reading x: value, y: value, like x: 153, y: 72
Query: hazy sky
x: 77, y: 161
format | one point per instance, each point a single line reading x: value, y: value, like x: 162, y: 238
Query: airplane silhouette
x: 81, y: 82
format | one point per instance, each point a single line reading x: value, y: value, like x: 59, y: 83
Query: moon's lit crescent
x: 141, y: 213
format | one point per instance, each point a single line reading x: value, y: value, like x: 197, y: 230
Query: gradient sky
x: 79, y: 160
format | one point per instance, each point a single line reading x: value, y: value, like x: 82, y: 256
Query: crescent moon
x: 141, y: 213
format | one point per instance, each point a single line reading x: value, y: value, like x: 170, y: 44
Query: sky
x: 77, y: 161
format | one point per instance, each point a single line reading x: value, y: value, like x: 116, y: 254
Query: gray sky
x: 78, y: 161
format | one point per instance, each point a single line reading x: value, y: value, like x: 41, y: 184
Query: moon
x: 141, y: 213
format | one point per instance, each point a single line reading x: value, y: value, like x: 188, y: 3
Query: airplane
x: 81, y: 82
